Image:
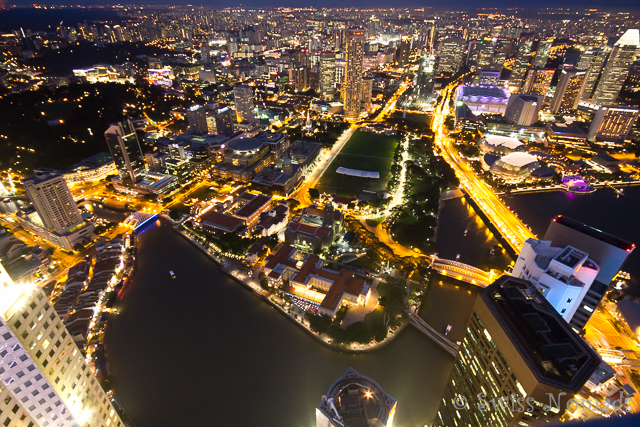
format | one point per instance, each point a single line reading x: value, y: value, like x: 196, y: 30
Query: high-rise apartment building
x: 592, y: 61
x: 519, y: 362
x: 542, y: 53
x: 327, y: 75
x: 522, y: 110
x: 485, y: 55
x: 611, y: 125
x: 450, y: 54
x: 300, y: 78
x: 538, y: 81
x: 569, y: 90
x: 197, y: 119
x: 518, y: 72
x: 354, y: 58
x: 126, y: 152
x: 53, y: 201
x: 44, y: 380
x: 617, y: 68
x: 607, y: 251
x: 243, y: 97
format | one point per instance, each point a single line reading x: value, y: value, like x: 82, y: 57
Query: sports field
x: 364, y: 151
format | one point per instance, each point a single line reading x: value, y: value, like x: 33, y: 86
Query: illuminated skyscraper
x: 517, y: 351
x: 355, y: 400
x: 243, y: 96
x: 197, y: 119
x: 450, y: 55
x: 403, y: 51
x: 538, y: 81
x: 44, y: 380
x: 327, y: 75
x: 424, y: 77
x: 354, y: 58
x: 569, y: 90
x: 592, y: 61
x: 617, y: 68
x: 126, y: 152
x: 542, y: 53
x: 205, y: 53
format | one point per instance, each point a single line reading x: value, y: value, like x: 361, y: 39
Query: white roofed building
x: 514, y: 167
x: 501, y: 145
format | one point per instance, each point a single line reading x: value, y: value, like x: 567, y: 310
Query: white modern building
x: 44, y: 380
x: 514, y: 167
x: 562, y: 275
x: 501, y: 145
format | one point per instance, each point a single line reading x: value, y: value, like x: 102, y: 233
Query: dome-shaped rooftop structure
x: 245, y: 144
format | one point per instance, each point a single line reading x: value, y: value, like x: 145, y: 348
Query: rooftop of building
x: 358, y: 400
x: 245, y: 144
x: 504, y: 141
x: 555, y: 354
x: 256, y: 203
x: 595, y: 233
x: 519, y: 159
x: 630, y: 38
x: 484, y: 93
x: 92, y: 162
x: 221, y: 220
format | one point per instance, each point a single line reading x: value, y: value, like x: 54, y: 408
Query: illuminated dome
x: 514, y: 167
x: 246, y: 144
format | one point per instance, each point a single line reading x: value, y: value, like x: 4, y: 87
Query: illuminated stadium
x: 245, y: 144
x: 483, y: 98
x: 515, y: 167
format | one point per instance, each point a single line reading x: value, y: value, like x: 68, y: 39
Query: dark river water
x: 203, y: 350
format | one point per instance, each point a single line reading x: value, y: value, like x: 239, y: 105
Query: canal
x: 201, y: 349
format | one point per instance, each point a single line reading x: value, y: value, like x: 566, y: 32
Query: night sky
x: 576, y: 5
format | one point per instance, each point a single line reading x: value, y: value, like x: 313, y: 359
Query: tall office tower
x: 354, y: 58
x: 538, y: 81
x: 355, y: 400
x: 197, y: 119
x: 402, y: 54
x: 224, y: 119
x: 45, y: 380
x: 607, y: 251
x: 522, y: 110
x: 450, y: 54
x: 367, y: 92
x: 592, y: 61
x: 489, y: 77
x: 611, y: 125
x: 340, y: 67
x: 205, y: 53
x: 526, y: 44
x: 569, y: 90
x: 542, y: 53
x: 327, y: 75
x: 126, y: 152
x: 501, y: 53
x: 485, y: 56
x: 243, y: 96
x: 339, y: 38
x: 517, y: 351
x: 473, y: 50
x: 300, y: 78
x: 518, y: 72
x: 425, y: 76
x: 617, y: 68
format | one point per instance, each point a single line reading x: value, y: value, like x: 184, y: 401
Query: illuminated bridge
x: 461, y: 271
x: 437, y: 337
x: 137, y: 219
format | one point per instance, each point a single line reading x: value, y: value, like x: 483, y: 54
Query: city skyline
x: 448, y: 194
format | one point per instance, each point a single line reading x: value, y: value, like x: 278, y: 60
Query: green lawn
x: 344, y: 185
x: 370, y: 144
x: 202, y: 193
